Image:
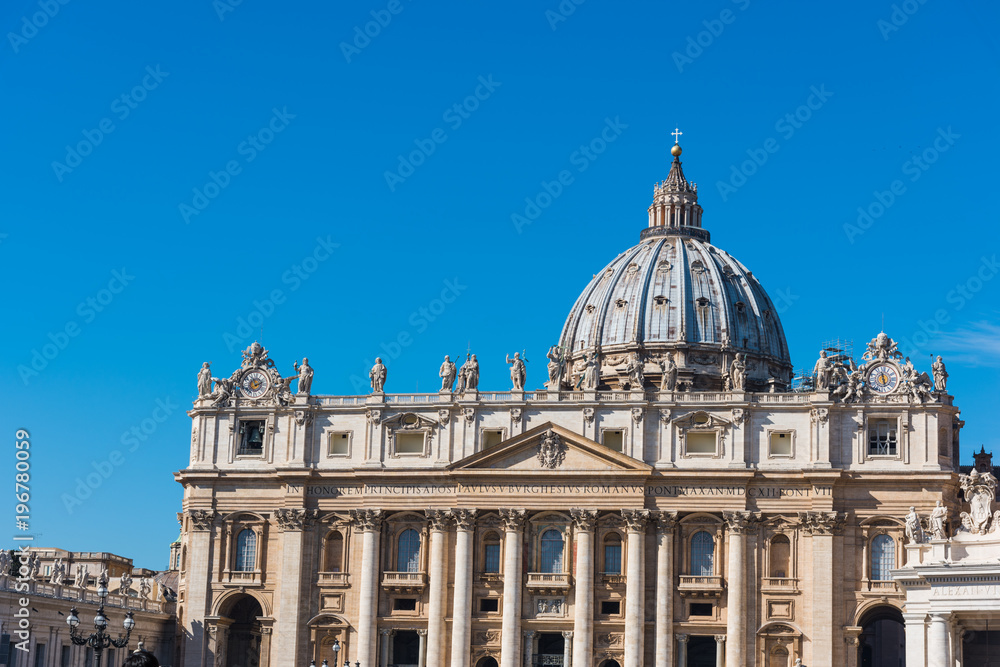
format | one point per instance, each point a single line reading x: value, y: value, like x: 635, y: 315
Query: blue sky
x: 169, y: 166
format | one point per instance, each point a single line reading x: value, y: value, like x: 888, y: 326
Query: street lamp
x: 99, y: 640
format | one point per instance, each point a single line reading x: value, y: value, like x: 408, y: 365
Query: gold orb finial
x: 676, y: 150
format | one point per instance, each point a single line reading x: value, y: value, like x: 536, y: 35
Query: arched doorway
x: 882, y: 641
x: 487, y: 662
x: 610, y: 663
x: 405, y: 648
x: 550, y: 650
x: 243, y: 646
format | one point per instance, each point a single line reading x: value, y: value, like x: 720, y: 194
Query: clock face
x: 883, y: 379
x: 254, y: 384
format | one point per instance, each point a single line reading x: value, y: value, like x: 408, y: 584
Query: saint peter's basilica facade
x: 666, y: 500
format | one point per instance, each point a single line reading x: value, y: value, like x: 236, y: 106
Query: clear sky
x: 167, y: 167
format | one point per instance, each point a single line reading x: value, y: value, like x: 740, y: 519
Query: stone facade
x: 664, y: 502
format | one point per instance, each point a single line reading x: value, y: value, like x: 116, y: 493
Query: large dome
x: 676, y: 293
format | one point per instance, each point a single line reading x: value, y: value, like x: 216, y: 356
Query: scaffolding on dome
x: 838, y: 350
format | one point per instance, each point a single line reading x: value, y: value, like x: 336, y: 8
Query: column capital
x: 528, y: 634
x: 422, y: 632
x: 202, y: 519
x: 940, y: 616
x: 822, y: 523
x: 295, y: 518
x: 386, y: 632
x: 439, y: 519
x: 368, y: 520
x: 567, y: 634
x: 666, y: 520
x: 635, y: 520
x: 739, y: 523
x: 584, y: 519
x: 513, y: 519
x: 682, y: 639
x: 720, y: 639
x: 465, y: 519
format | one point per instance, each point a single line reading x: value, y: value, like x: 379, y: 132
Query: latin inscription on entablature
x: 987, y: 591
x: 658, y: 491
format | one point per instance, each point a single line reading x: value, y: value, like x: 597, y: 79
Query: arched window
x: 491, y: 553
x: 702, y: 554
x: 552, y: 551
x: 781, y: 556
x: 408, y: 555
x: 246, y: 551
x: 333, y: 553
x: 883, y: 557
x: 613, y: 554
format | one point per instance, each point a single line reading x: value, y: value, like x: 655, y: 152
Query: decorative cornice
x: 513, y: 519
x: 295, y: 518
x: 583, y: 519
x: 368, y: 520
x: 202, y: 519
x: 635, y: 520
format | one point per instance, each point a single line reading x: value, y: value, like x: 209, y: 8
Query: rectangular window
x: 781, y: 444
x: 613, y: 558
x: 340, y: 444
x: 614, y: 439
x: 701, y: 443
x: 251, y: 438
x: 489, y: 605
x: 404, y: 604
x: 701, y: 609
x: 492, y: 437
x: 409, y: 443
x: 491, y: 558
x: 882, y: 438
x: 611, y: 607
x: 64, y: 657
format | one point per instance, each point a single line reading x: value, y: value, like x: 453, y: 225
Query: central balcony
x: 699, y: 586
x: 404, y: 582
x: 779, y: 585
x: 334, y: 579
x: 546, y: 582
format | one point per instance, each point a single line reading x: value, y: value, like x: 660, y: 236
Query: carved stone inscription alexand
x: 389, y: 490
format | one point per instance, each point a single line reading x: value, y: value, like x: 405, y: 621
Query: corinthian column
x: 583, y: 621
x: 369, y: 522
x: 822, y: 526
x: 635, y: 587
x: 665, y: 524
x: 737, y: 524
x: 292, y: 523
x: 199, y: 579
x: 438, y: 570
x: 461, y: 629
x: 937, y: 641
x: 510, y: 629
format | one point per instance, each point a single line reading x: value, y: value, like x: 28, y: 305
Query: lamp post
x: 99, y: 640
x: 336, y: 654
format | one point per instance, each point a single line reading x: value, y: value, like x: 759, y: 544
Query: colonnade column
x: 198, y: 582
x: 937, y: 640
x: 737, y: 524
x: 583, y: 602
x: 567, y: 647
x: 383, y: 658
x: 915, y: 625
x: 421, y: 648
x: 720, y: 651
x: 635, y: 618
x: 461, y: 629
x: 510, y: 629
x: 682, y: 650
x: 369, y: 522
x: 529, y: 647
x: 292, y: 522
x: 438, y: 570
x: 665, y: 523
x: 822, y: 526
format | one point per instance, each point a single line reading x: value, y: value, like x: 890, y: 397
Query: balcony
x: 334, y: 579
x: 779, y: 585
x: 404, y: 582
x: 612, y: 580
x: 698, y: 586
x: 237, y: 578
x: 546, y: 582
x: 879, y: 588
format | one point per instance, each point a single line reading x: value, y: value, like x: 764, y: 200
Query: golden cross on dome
x: 677, y: 134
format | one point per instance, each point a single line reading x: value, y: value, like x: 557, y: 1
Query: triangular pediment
x: 550, y: 448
